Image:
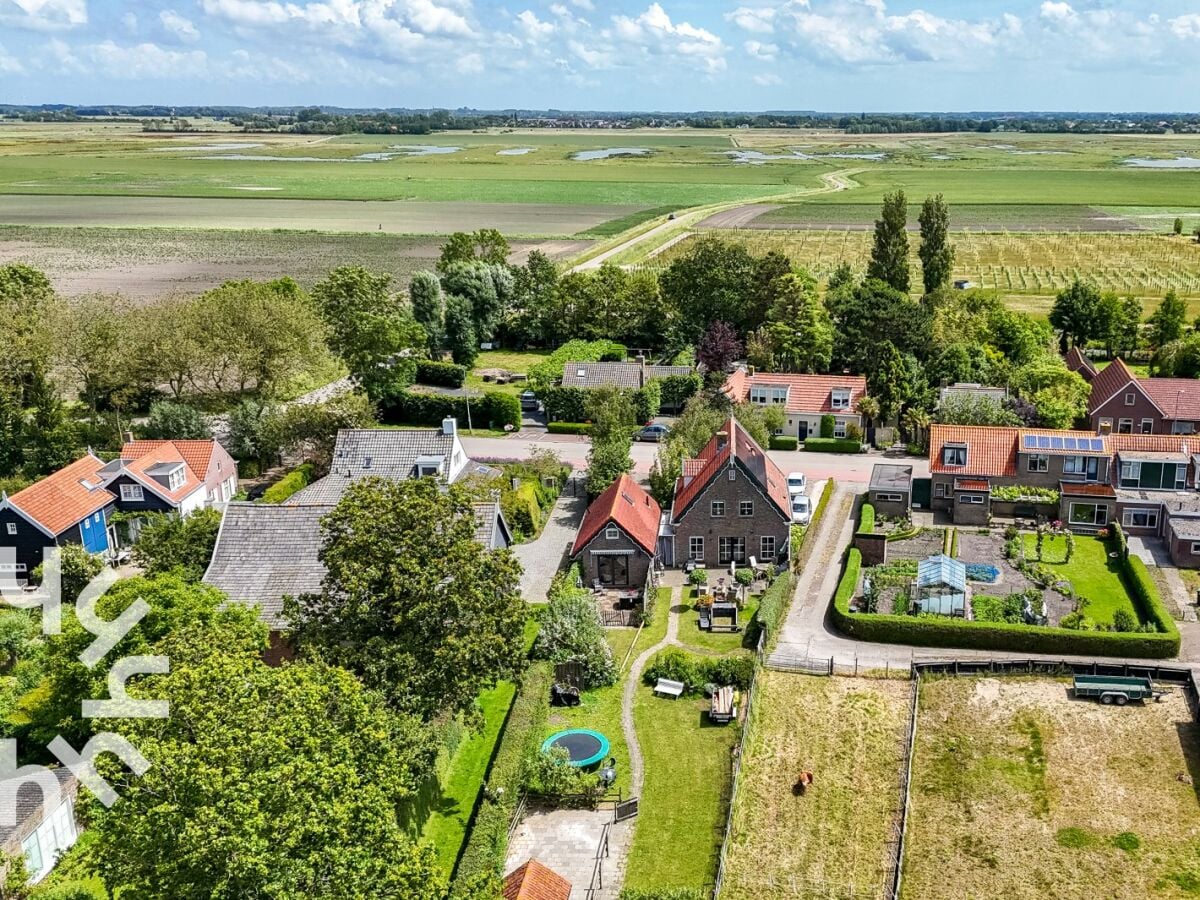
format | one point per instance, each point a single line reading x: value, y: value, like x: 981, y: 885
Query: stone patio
x: 565, y: 840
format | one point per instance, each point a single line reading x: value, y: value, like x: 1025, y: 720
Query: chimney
x: 722, y: 439
x: 450, y: 426
x: 127, y: 437
x: 641, y: 361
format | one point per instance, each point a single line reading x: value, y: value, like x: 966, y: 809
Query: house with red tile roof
x: 533, y: 881
x: 730, y: 503
x: 1147, y: 482
x: 71, y: 506
x: 1078, y: 363
x: 617, y: 541
x: 805, y: 399
x: 159, y: 479
x: 207, y: 459
x: 1121, y: 402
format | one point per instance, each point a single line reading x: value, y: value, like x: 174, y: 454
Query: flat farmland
x: 145, y: 263
x: 1020, y: 791
x: 836, y: 839
x: 1027, y: 266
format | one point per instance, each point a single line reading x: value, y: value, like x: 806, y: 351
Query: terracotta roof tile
x: 755, y: 460
x: 630, y: 507
x: 805, y: 393
x: 533, y: 881
x: 1078, y: 362
x: 1107, y: 382
x: 196, y: 453
x: 162, y: 455
x: 1086, y: 489
x: 990, y: 451
x: 1178, y: 398
x: 972, y: 484
x: 60, y: 500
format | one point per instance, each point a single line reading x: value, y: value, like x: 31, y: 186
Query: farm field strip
x: 834, y: 840
x: 1020, y: 791
x: 1011, y: 262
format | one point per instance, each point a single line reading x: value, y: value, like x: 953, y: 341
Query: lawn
x: 833, y: 841
x: 1021, y: 792
x: 519, y: 361
x: 685, y: 799
x: 1091, y: 572
x: 724, y: 642
x: 600, y: 709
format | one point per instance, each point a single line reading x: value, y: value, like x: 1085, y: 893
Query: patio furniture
x: 705, y: 621
x: 724, y: 617
x: 627, y: 598
x: 755, y: 568
x: 669, y: 688
x: 564, y: 695
x: 597, y: 587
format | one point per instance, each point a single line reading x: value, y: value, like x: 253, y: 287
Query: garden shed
x: 941, y: 586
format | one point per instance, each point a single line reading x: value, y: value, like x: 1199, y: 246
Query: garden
x: 743, y: 590
x: 1021, y: 791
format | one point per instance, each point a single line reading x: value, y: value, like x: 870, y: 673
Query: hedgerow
x: 442, y: 374
x: 832, y: 445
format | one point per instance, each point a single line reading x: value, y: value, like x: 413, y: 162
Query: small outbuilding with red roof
x: 617, y: 541
x: 533, y: 881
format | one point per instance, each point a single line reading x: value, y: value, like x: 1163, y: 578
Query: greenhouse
x: 941, y: 587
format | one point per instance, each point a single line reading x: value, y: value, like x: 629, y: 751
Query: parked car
x: 801, y: 509
x: 652, y: 433
x: 797, y: 483
x: 529, y: 400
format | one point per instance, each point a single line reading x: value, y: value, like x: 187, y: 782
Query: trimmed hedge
x: 938, y: 631
x: 832, y: 445
x: 442, y: 374
x: 695, y: 671
x: 678, y: 389
x: 295, y: 480
x: 647, y: 401
x: 494, y: 409
x: 773, y: 604
x: 569, y: 427
x: 487, y: 843
x: 866, y: 519
x: 664, y: 894
x: 828, y: 423
x: 783, y: 442
x: 564, y: 404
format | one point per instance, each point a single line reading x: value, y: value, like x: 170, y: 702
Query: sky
x: 827, y: 55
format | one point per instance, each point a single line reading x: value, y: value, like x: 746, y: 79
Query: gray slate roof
x: 388, y: 453
x: 31, y: 807
x: 888, y: 477
x: 489, y: 520
x: 615, y: 374
x: 265, y: 551
x: 976, y: 391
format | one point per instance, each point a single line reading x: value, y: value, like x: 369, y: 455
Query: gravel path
x: 542, y: 558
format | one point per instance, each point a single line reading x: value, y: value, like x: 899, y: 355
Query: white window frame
x: 954, y: 449
x: 716, y: 509
x: 1038, y: 462
x: 766, y: 546
x: 1181, y: 476
x: 12, y: 527
x: 1195, y: 548
x: 612, y: 533
x: 1130, y: 399
x: 839, y: 426
x: 970, y: 498
x: 1144, y: 424
x: 132, y: 493
x: 939, y: 489
x: 745, y: 509
x: 1124, y: 426
x: 889, y: 498
x: 1151, y: 518
x: 1106, y: 422
x: 839, y: 398
x: 1097, y: 508
x: 696, y: 548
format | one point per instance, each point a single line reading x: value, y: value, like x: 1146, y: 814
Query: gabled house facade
x: 805, y: 399
x: 730, y: 503
x: 1123, y: 403
x: 208, y: 460
x: 71, y: 506
x: 1147, y: 483
x: 617, y: 541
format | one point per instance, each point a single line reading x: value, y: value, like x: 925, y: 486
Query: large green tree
x: 485, y: 245
x: 179, y: 544
x: 889, y: 253
x: 711, y: 282
x: 799, y: 325
x: 1074, y: 314
x: 1167, y: 322
x: 869, y: 315
x: 411, y: 602
x: 26, y: 299
x: 936, y: 251
x: 535, y: 296
x: 613, y: 417
x: 429, y: 307
x: 461, y: 338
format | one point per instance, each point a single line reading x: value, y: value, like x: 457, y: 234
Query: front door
x: 613, y: 570
x: 802, y: 430
x: 731, y: 549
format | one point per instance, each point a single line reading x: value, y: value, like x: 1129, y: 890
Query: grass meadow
x: 1020, y: 791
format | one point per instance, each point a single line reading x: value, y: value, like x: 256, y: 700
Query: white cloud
x: 469, y: 64
x: 583, y: 4
x: 1055, y: 11
x: 178, y: 26
x: 768, y: 80
x: 1186, y: 27
x: 595, y: 58
x: 44, y: 15
x: 534, y: 27
x: 759, y: 19
x: 759, y: 50
x: 146, y: 61
x: 657, y: 35
x: 10, y: 65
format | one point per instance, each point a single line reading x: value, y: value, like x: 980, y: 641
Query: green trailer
x: 1116, y: 689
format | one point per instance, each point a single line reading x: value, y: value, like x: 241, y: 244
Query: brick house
x: 730, y: 503
x: 1147, y: 482
x: 805, y: 398
x: 617, y: 540
x: 1123, y: 403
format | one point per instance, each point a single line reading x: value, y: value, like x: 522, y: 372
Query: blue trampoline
x: 584, y: 747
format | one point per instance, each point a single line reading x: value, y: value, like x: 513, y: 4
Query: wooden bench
x: 669, y: 688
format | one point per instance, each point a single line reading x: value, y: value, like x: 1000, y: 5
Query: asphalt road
x: 573, y: 449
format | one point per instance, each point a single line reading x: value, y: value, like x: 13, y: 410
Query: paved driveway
x: 542, y: 558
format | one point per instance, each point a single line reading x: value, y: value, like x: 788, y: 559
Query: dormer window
x: 840, y: 398
x: 954, y: 455
x: 176, y: 479
x: 762, y: 394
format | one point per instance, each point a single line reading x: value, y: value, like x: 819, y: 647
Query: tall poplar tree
x: 889, y: 256
x: 937, y: 253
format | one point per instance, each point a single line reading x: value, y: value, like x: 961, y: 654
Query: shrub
x: 176, y: 421
x: 91, y: 889
x: 832, y: 445
x: 773, y: 604
x: 866, y: 519
x: 664, y: 894
x: 443, y: 374
x: 1014, y: 492
x: 1116, y: 539
x: 493, y: 409
x: 571, y: 631
x: 854, y: 433
x: 676, y: 390
x: 1123, y: 620
x: 698, y: 576
x: 744, y: 577
x: 76, y: 568
x: 569, y: 427
x: 695, y: 671
x: 614, y: 352
x: 551, y: 775
x: 487, y: 843
x: 564, y: 404
x: 783, y: 442
x: 167, y: 543
x: 295, y: 480
x: 828, y: 423
x: 647, y: 401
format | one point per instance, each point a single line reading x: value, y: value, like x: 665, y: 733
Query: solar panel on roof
x: 1043, y: 442
x: 1056, y: 443
x: 1030, y: 441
